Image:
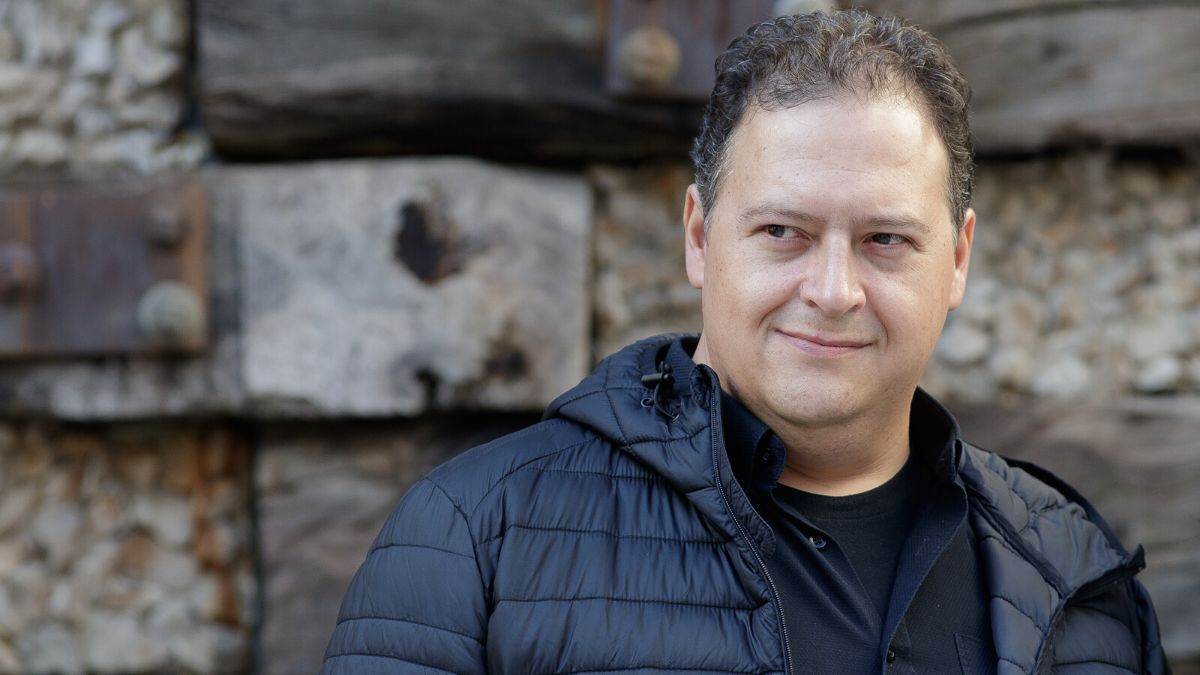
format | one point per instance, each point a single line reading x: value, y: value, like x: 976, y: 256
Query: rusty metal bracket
x: 665, y: 49
x: 102, y: 270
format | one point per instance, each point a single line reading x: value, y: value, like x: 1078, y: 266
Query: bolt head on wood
x: 650, y: 57
x: 166, y: 226
x: 171, y: 314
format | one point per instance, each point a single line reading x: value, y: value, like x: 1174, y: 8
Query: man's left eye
x: 887, y: 239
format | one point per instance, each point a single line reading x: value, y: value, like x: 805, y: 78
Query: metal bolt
x: 166, y: 226
x: 171, y: 314
x: 649, y: 57
x: 18, y: 270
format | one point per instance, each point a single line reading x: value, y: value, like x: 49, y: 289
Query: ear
x: 694, y: 238
x: 962, y: 259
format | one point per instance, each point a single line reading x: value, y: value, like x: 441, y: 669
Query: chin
x: 817, y: 403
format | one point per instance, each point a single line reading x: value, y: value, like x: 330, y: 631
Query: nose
x: 831, y: 283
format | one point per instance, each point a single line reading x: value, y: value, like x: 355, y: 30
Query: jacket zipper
x: 787, y: 648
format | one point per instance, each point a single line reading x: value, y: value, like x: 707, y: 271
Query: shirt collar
x: 755, y: 452
x: 743, y: 431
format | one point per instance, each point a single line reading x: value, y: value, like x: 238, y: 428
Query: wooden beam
x: 518, y: 80
x: 523, y: 80
x: 1105, y: 74
x: 938, y: 15
x: 1066, y: 72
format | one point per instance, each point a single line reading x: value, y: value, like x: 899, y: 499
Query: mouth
x: 820, y: 345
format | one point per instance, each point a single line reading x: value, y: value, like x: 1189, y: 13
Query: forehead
x: 847, y: 150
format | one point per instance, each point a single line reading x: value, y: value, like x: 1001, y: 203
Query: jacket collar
x: 673, y: 428
x: 665, y: 427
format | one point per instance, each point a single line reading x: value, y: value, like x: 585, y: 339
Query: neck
x: 836, y: 458
x: 840, y: 460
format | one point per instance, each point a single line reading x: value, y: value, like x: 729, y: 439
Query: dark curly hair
x: 793, y: 59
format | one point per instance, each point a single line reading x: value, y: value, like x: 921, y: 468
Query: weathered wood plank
x: 238, y: 37
x: 1139, y: 463
x: 938, y: 15
x: 1056, y: 72
x: 322, y: 495
x: 520, y: 80
x: 523, y: 81
x: 1082, y: 75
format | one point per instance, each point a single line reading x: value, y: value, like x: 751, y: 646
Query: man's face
x: 830, y: 261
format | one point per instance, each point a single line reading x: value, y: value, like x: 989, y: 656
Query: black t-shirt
x: 868, y: 528
x: 888, y: 580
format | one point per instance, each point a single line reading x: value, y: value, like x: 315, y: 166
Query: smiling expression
x: 830, y: 259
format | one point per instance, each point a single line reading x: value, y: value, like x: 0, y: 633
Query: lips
x: 824, y: 345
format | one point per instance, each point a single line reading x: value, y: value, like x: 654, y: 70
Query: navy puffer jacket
x: 612, y: 536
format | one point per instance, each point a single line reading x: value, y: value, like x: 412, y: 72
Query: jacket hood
x: 673, y: 429
x: 671, y: 435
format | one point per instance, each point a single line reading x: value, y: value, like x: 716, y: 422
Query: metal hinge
x: 88, y: 271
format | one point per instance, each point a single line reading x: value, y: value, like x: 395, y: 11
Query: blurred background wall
x: 378, y: 233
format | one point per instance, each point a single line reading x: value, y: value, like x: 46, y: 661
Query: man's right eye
x: 781, y: 231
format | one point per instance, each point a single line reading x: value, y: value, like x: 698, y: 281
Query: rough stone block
x: 323, y: 494
x: 1088, y: 286
x: 97, y: 91
x: 384, y: 288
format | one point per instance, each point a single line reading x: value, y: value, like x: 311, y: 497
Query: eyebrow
x: 897, y: 221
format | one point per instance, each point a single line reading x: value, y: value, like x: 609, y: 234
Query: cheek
x: 913, y: 316
x: 762, y: 291
x: 745, y: 286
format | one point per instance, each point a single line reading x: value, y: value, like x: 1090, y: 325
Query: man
x: 775, y: 495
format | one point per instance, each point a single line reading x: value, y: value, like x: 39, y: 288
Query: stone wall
x: 94, y: 87
x: 314, y: 262
x: 342, y: 291
x: 125, y: 548
x: 369, y: 319
x: 1085, y: 283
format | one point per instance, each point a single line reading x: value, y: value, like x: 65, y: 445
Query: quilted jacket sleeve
x: 1154, y: 660
x: 416, y: 605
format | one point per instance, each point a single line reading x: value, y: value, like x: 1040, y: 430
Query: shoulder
x: 1042, y: 517
x: 444, y: 506
x: 1039, y: 518
x: 468, y: 479
x: 1023, y: 491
